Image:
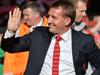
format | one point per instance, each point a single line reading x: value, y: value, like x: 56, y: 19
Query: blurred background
x: 7, y: 5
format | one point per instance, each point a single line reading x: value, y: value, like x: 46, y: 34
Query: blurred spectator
x: 93, y: 27
x: 80, y: 7
x: 31, y: 19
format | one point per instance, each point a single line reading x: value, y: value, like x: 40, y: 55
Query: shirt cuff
x: 8, y: 34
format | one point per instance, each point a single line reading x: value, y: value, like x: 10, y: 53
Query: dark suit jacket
x: 37, y: 42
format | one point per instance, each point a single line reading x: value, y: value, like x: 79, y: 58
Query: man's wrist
x: 10, y: 31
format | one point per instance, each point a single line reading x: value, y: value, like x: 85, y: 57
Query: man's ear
x: 67, y: 21
x: 37, y: 15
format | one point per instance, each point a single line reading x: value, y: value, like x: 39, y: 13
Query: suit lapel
x: 44, y: 48
x: 75, y: 49
x: 40, y: 42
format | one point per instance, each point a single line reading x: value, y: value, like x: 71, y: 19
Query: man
x: 80, y: 8
x: 31, y: 18
x: 76, y: 48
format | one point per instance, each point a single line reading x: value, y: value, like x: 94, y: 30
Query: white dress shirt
x: 66, y: 66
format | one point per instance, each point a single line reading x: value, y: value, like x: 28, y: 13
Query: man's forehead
x: 56, y: 9
x: 80, y: 3
x: 27, y: 9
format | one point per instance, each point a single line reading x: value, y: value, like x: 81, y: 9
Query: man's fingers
x: 14, y: 12
x: 17, y: 12
x: 19, y: 15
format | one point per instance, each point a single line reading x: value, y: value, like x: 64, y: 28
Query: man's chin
x: 29, y: 24
x: 51, y: 30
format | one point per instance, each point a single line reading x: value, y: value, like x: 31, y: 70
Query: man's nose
x: 49, y: 19
x: 84, y: 14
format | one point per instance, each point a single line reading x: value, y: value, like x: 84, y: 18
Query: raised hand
x: 14, y: 20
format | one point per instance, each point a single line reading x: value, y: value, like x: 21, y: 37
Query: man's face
x: 56, y: 21
x: 80, y: 11
x: 29, y: 16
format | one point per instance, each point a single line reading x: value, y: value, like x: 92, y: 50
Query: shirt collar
x: 39, y: 24
x: 66, y: 36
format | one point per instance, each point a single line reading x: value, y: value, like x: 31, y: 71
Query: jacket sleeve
x: 18, y: 44
x: 94, y: 57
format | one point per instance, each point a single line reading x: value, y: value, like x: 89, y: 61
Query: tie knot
x: 58, y: 38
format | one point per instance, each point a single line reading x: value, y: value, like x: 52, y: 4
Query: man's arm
x: 94, y: 57
x: 9, y: 42
x: 18, y: 44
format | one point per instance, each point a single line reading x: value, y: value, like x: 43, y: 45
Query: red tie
x: 56, y: 57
